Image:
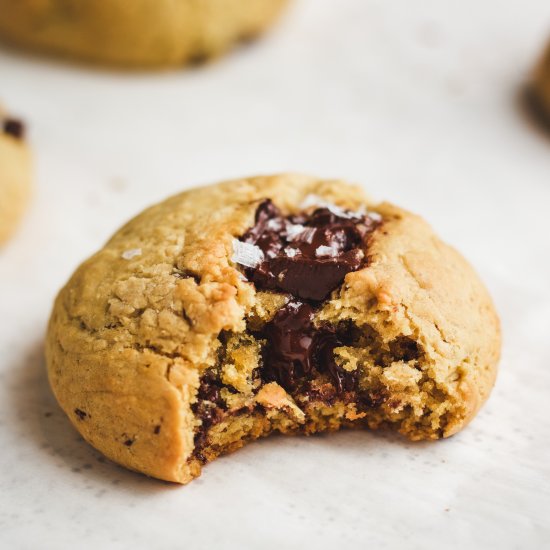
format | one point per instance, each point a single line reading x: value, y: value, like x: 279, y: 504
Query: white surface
x: 417, y: 100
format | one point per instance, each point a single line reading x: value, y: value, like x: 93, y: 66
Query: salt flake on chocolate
x: 293, y: 230
x: 306, y: 236
x: 247, y: 254
x: 314, y: 201
x: 132, y: 253
x: 274, y: 225
x: 321, y: 251
x: 375, y: 216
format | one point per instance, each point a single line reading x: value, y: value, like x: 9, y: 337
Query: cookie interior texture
x: 15, y: 174
x: 136, y: 33
x: 167, y: 349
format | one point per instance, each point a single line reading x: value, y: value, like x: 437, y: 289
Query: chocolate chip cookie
x: 15, y: 174
x: 272, y: 304
x: 537, y: 94
x: 137, y: 33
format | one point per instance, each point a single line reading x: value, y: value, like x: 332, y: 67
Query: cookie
x: 15, y: 174
x: 272, y: 304
x: 537, y: 94
x: 140, y: 33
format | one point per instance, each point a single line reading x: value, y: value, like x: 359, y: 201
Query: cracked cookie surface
x: 137, y: 33
x: 164, y: 354
x: 15, y: 174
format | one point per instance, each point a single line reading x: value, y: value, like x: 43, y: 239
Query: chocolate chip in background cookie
x: 14, y: 127
x: 536, y: 111
x: 80, y: 414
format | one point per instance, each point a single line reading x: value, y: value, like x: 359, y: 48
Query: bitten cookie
x: 282, y: 303
x: 15, y: 174
x: 136, y: 33
x: 538, y: 90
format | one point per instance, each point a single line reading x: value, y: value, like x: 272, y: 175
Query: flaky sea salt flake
x: 293, y: 230
x: 247, y: 254
x: 375, y: 216
x: 274, y: 225
x: 314, y: 201
x: 321, y: 251
x: 306, y: 236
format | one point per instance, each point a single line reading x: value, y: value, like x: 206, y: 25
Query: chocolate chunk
x: 290, y: 349
x: 14, y: 128
x: 309, y: 279
x: 296, y: 350
x: 81, y: 414
x: 342, y: 379
x: 209, y: 389
x: 535, y: 108
x: 307, y: 256
x: 370, y: 400
x: 209, y: 408
x: 268, y: 229
x: 404, y: 349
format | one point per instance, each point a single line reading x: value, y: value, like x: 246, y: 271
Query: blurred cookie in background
x: 15, y: 173
x: 536, y: 96
x: 137, y: 33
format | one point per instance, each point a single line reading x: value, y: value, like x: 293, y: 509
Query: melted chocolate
x: 13, y: 127
x: 209, y: 408
x: 297, y: 350
x: 290, y: 351
x: 306, y: 256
